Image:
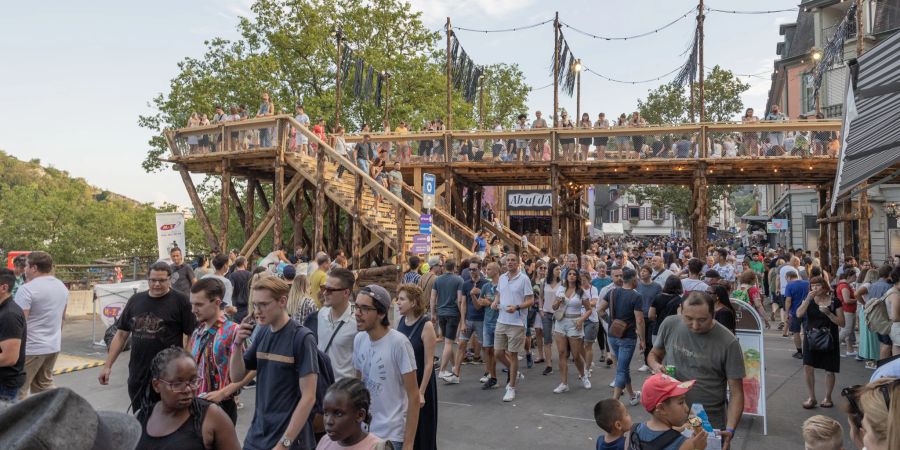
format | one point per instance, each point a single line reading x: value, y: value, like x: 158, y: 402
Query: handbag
x: 560, y: 312
x: 819, y: 339
x: 618, y: 327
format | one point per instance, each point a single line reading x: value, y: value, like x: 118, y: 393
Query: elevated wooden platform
x: 459, y: 212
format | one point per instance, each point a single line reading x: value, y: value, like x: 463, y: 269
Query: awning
x: 650, y: 232
x: 871, y: 130
x: 613, y: 228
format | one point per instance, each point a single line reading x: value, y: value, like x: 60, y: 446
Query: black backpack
x: 326, y: 374
x: 662, y: 441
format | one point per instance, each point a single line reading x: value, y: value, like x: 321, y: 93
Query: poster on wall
x: 169, y: 233
x: 777, y: 225
x: 531, y: 199
x: 750, y: 335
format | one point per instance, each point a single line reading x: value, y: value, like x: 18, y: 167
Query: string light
x: 635, y: 36
x: 504, y: 30
x: 649, y: 80
x: 731, y: 11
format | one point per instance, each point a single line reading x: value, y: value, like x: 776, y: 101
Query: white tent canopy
x: 613, y: 228
x: 871, y: 130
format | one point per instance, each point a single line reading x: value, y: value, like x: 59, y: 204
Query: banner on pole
x: 111, y: 298
x: 169, y: 234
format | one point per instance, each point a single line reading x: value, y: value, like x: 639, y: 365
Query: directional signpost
x: 421, y: 243
x: 429, y: 185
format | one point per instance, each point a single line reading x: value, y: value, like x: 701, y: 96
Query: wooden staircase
x: 382, y: 223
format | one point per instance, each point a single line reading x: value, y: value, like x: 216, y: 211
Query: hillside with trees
x: 44, y: 208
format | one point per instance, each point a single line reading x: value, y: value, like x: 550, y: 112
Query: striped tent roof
x: 871, y: 129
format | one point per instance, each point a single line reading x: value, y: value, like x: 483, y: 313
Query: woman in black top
x: 180, y: 420
x: 724, y: 309
x: 820, y: 310
x: 666, y: 303
x: 416, y: 326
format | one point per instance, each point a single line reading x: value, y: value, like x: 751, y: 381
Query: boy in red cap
x: 663, y: 397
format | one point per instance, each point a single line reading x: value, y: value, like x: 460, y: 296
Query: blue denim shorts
x: 488, y: 334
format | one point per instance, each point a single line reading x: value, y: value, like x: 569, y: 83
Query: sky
x: 76, y: 75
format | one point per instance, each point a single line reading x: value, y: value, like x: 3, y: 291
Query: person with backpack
x: 664, y: 398
x: 282, y: 352
x: 384, y: 359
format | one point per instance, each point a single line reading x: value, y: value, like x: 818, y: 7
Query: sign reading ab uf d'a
x: 528, y: 199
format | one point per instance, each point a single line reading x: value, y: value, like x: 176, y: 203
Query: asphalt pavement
x: 470, y: 418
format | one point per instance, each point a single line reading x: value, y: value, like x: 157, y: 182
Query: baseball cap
x: 379, y: 294
x: 661, y: 387
x: 60, y: 418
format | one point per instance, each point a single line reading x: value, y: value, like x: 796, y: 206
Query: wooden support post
x: 556, y: 63
x: 470, y: 207
x: 199, y: 212
x: 448, y: 188
x: 865, y: 253
x: 238, y: 207
x: 848, y: 229
x: 263, y: 201
x: 833, y: 244
x: 224, y: 207
x: 356, y: 252
x: 564, y: 226
x: 268, y: 220
x: 554, y: 210
x: 401, y: 238
x: 417, y: 186
x: 278, y: 188
x: 251, y: 208
x: 479, y: 199
x: 823, y: 227
x: 297, y: 217
x: 700, y: 218
x: 449, y: 120
x: 318, y: 244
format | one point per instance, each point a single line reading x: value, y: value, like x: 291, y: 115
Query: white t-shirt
x: 572, y: 304
x: 690, y: 285
x: 341, y: 350
x: 782, y: 276
x: 513, y: 292
x: 382, y: 364
x: 229, y: 289
x: 549, y: 297
x: 594, y: 296
x: 45, y: 299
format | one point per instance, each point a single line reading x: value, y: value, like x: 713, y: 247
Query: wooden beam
x: 278, y: 186
x: 263, y: 201
x: 356, y: 252
x: 238, y: 207
x: 833, y: 244
x: 266, y: 224
x: 224, y: 207
x: 401, y: 239
x: 823, y: 227
x: 297, y: 220
x: 554, y: 209
x: 251, y: 207
x: 372, y: 244
x: 319, y: 214
x: 199, y: 212
x: 865, y: 253
x: 417, y: 186
x: 448, y: 189
x: 848, y: 228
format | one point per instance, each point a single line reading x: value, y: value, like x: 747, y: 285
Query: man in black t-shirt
x: 12, y: 339
x: 182, y: 275
x: 240, y: 283
x: 155, y: 319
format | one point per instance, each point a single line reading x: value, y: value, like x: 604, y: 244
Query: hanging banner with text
x: 534, y: 199
x: 169, y: 233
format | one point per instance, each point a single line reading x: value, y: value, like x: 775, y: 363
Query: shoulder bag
x: 560, y: 313
x: 618, y: 327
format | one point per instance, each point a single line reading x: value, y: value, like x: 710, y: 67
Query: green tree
x: 288, y: 49
x: 677, y: 199
x: 670, y: 104
x: 505, y: 93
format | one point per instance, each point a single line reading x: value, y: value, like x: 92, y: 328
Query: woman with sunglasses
x: 180, y: 420
x: 877, y: 415
x: 547, y: 296
x: 820, y: 311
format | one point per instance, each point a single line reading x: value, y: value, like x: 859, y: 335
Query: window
x: 807, y: 93
x: 614, y: 216
x: 634, y: 212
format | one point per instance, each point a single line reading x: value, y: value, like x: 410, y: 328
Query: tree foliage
x: 288, y: 49
x: 45, y: 209
x: 670, y: 104
x: 677, y: 199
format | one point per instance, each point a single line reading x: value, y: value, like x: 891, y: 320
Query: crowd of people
x: 337, y: 365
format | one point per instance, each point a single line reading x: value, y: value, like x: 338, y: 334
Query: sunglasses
x: 852, y: 394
